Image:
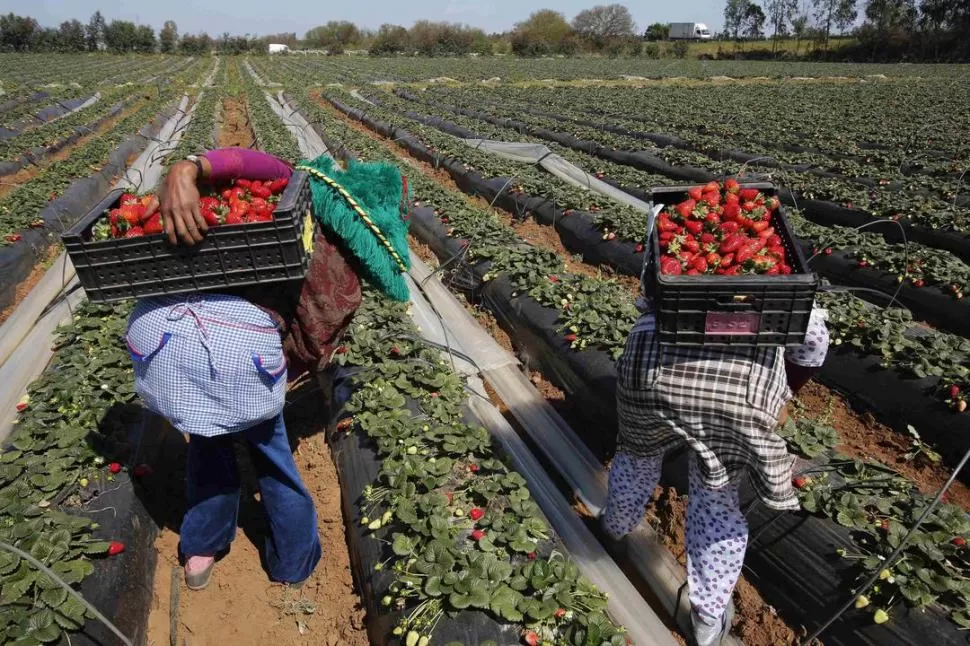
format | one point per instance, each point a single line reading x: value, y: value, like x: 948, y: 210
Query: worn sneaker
x: 198, y: 571
x: 706, y: 634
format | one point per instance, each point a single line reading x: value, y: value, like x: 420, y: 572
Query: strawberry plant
x: 461, y: 537
x: 880, y: 507
x: 80, y: 409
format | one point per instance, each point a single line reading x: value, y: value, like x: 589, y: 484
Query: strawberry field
x: 450, y: 535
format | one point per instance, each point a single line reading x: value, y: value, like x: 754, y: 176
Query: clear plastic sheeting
x: 311, y: 145
x: 626, y: 604
x: 147, y: 170
x: 360, y: 97
x: 538, y: 154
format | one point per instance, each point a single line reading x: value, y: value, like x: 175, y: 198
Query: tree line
x: 880, y: 30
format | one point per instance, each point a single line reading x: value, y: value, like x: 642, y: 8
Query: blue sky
x: 262, y: 17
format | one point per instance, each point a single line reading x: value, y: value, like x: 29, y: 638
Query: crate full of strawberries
x: 259, y: 232
x: 724, y: 268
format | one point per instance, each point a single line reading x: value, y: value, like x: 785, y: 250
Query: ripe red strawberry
x: 694, y: 226
x: 531, y: 556
x: 560, y: 613
x: 699, y: 264
x: 691, y: 245
x: 695, y: 193
x: 799, y: 482
x: 749, y: 194
x: 134, y: 232
x: 234, y: 217
x: 570, y: 338
x: 639, y: 248
x: 476, y: 514
x: 277, y: 185
x: 712, y: 198
x: 258, y: 190
x: 686, y: 209
x: 773, y: 203
x: 959, y: 541
x: 345, y: 423
x: 711, y: 187
x: 670, y: 266
x: 732, y: 186
x: 478, y: 534
x: 884, y: 525
x: 954, y: 391
x: 474, y: 468
x: 153, y: 225
x: 128, y: 198
x: 114, y: 467
x: 531, y: 638
x: 245, y: 183
x: 115, y: 548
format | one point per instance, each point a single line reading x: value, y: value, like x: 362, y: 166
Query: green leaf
x: 432, y: 586
x: 54, y: 597
x: 402, y: 545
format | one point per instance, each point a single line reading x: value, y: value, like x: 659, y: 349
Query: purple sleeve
x: 232, y: 163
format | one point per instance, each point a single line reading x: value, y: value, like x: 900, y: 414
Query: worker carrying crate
x: 248, y: 272
x: 728, y: 332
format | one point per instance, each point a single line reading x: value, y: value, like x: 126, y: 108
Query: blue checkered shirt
x: 210, y: 364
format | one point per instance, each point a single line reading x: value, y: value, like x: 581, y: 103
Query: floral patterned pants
x: 717, y: 531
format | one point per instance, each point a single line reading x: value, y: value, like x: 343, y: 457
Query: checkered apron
x: 722, y: 403
x: 211, y: 364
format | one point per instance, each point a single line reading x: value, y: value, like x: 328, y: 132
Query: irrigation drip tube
x: 790, y: 557
x: 821, y: 211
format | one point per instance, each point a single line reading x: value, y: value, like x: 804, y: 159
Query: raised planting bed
x: 445, y: 541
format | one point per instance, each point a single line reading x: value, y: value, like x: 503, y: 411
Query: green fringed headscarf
x: 366, y: 205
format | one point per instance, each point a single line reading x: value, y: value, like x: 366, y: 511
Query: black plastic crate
x: 723, y: 311
x: 230, y: 255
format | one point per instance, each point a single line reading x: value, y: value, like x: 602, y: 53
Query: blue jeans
x: 292, y: 546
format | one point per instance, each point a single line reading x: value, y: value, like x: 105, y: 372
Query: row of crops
x: 595, y: 313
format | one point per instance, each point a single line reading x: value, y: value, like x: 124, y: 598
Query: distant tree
x: 45, y: 39
x: 657, y: 31
x: 604, y: 23
x: 779, y: 14
x: 754, y: 21
x: 891, y: 16
x: 70, y: 36
x: 195, y: 45
x: 17, y: 32
x: 833, y: 14
x: 545, y: 32
x: 168, y: 37
x: 94, y: 32
x: 734, y: 13
x: 390, y: 39
x: 332, y: 34
x: 145, y: 41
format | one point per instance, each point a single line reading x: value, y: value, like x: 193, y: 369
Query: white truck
x: 277, y: 48
x: 689, y: 31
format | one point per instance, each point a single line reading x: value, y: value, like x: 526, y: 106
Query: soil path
x: 236, y: 130
x: 241, y: 606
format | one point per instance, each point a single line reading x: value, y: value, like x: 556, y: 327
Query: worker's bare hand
x: 179, y: 205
